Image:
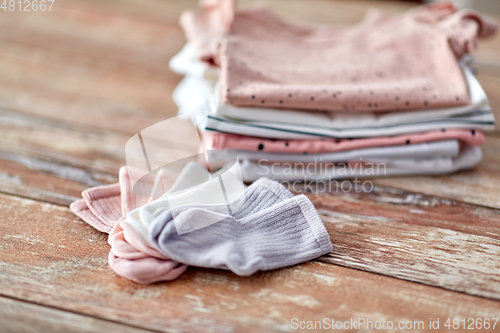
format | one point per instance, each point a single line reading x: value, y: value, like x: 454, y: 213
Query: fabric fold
x: 391, y: 63
x: 221, y: 141
x: 271, y: 229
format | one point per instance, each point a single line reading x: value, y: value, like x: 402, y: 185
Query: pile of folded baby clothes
x: 308, y: 103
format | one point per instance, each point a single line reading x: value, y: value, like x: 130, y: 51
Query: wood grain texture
x: 55, y: 161
x: 435, y: 241
x: 23, y: 317
x: 87, y: 67
x: 478, y: 186
x: 76, y: 83
x: 48, y: 256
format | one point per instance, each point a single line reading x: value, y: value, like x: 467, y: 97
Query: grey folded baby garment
x: 271, y: 229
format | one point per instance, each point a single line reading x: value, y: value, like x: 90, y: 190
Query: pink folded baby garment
x: 104, y: 207
x: 100, y: 207
x: 205, y: 28
x: 221, y: 141
x: 130, y: 258
x: 385, y: 63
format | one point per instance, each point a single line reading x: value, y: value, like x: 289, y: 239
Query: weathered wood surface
x: 55, y: 161
x: 478, y: 186
x: 77, y: 82
x: 50, y: 257
x: 23, y: 317
x: 431, y: 240
x: 88, y: 67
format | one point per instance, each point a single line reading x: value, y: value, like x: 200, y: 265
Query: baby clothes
x: 132, y: 260
x: 195, y: 95
x: 445, y: 148
x: 385, y: 63
x: 271, y: 229
x: 100, y: 207
x: 287, y: 132
x: 261, y: 195
x: 128, y: 256
x: 257, y: 236
x: 103, y: 208
x: 410, y: 74
x: 205, y: 28
x: 285, y: 234
x: 307, y: 172
x: 240, y: 142
x: 344, y: 120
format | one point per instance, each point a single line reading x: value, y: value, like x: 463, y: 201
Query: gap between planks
x: 19, y: 316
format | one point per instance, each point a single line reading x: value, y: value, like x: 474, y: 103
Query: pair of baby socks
x: 270, y: 229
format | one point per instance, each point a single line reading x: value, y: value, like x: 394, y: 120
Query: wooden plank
x: 89, y: 34
x: 40, y: 184
x: 478, y: 186
x: 165, y: 13
x: 54, y: 161
x: 87, y: 67
x: 22, y: 317
x: 84, y: 90
x: 50, y: 257
x: 435, y: 241
x: 57, y: 160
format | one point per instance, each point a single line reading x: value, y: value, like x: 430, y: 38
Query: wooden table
x: 77, y: 82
